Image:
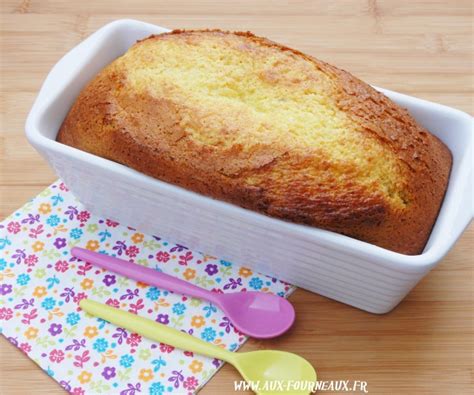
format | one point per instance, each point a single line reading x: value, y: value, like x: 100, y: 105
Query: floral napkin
x: 41, y: 285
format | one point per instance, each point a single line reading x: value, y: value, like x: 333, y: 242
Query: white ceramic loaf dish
x: 341, y: 268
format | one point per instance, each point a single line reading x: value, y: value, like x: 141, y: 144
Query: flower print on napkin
x: 41, y: 285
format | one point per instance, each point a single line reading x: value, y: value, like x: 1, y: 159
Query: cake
x: 242, y: 119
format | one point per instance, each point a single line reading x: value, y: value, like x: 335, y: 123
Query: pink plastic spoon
x: 256, y: 314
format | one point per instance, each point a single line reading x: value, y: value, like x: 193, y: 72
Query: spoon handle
x: 153, y: 330
x: 141, y: 273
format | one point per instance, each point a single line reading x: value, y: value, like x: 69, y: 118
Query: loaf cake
x: 243, y: 119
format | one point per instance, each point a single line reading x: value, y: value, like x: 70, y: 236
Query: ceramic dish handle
x: 141, y: 273
x: 153, y: 330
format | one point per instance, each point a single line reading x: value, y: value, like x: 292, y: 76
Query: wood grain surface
x: 421, y: 48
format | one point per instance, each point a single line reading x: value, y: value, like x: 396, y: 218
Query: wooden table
x: 420, y: 48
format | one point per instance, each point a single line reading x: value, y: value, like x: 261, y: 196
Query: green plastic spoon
x: 270, y: 372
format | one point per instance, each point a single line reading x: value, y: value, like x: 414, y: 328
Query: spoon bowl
x: 276, y: 372
x: 257, y: 314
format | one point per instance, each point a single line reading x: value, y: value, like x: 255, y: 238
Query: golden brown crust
x: 146, y: 133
